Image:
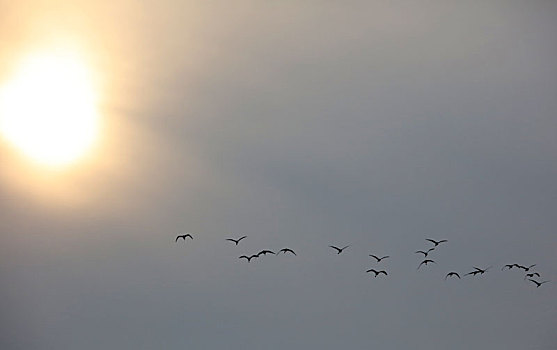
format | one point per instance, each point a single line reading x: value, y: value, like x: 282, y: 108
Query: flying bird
x: 184, y: 237
x: 538, y: 284
x: 524, y: 267
x: 426, y: 261
x: 478, y: 271
x: 377, y: 272
x: 452, y: 274
x: 236, y: 240
x: 436, y: 242
x: 265, y: 252
x: 531, y: 275
x: 287, y: 250
x: 248, y: 258
x: 378, y: 258
x: 424, y: 253
x: 339, y: 250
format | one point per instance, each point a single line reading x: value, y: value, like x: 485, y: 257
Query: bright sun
x: 49, y: 108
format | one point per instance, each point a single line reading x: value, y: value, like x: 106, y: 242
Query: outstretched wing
x: 336, y: 248
x: 375, y: 257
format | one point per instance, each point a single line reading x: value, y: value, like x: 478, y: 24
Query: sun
x: 48, y: 109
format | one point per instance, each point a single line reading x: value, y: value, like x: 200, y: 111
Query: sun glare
x: 48, y: 109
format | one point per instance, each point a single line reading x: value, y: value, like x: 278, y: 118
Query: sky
x: 301, y: 124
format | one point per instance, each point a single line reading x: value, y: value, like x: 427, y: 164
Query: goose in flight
x: 424, y: 253
x: 378, y: 258
x: 248, y: 258
x: 236, y: 240
x: 425, y: 262
x: 339, y: 250
x: 436, y: 242
x: 531, y: 275
x: 183, y: 237
x: 478, y: 271
x: 452, y: 274
x: 524, y: 267
x: 265, y: 252
x: 377, y: 272
x: 287, y: 250
x: 538, y: 284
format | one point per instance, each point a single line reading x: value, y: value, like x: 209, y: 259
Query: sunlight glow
x: 48, y: 109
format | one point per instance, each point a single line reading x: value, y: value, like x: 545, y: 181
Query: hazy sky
x: 299, y: 124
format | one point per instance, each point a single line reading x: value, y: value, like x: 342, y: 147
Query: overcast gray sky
x: 300, y: 124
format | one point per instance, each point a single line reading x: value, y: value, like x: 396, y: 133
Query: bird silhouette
x: 265, y: 252
x: 248, y: 258
x: 531, y: 275
x: 452, y: 274
x: 473, y: 273
x: 378, y: 258
x: 478, y: 271
x: 524, y: 267
x: 287, y: 250
x: 183, y: 237
x: 377, y: 272
x: 236, y: 240
x: 436, y: 242
x: 424, y: 253
x: 538, y: 284
x: 426, y: 261
x: 339, y: 250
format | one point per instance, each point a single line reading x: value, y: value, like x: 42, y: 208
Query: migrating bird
x: 531, y: 275
x: 424, y: 253
x: 287, y: 250
x: 436, y: 242
x: 538, y: 284
x: 184, y: 236
x: 426, y: 261
x: 248, y: 258
x: 478, y: 271
x: 377, y: 272
x: 524, y: 267
x: 339, y: 250
x: 236, y: 240
x: 452, y: 274
x: 265, y: 252
x: 378, y: 258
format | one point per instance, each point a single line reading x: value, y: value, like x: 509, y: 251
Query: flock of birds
x: 477, y: 271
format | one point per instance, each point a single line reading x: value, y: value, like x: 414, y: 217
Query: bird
x: 426, y: 261
x: 248, y: 258
x: 524, y: 267
x: 287, y: 250
x: 377, y: 272
x: 236, y: 240
x: 436, y: 242
x: 265, y: 252
x: 339, y: 250
x: 538, y: 284
x: 452, y: 274
x: 184, y: 236
x: 478, y: 271
x: 473, y: 273
x: 531, y: 275
x: 424, y: 253
x: 378, y: 258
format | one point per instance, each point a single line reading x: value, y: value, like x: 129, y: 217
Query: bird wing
x: 420, y: 251
x: 385, y: 257
x: 177, y: 238
x: 188, y: 235
x: 432, y: 241
x: 373, y: 256
x: 383, y: 271
x: 337, y: 248
x: 371, y: 270
x: 231, y: 240
x: 245, y: 257
x: 345, y: 247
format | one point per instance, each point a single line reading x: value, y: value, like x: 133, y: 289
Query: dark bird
x: 478, y: 271
x: 378, y: 258
x: 426, y: 261
x: 538, y: 284
x: 436, y: 242
x: 377, y: 272
x: 184, y: 236
x: 287, y: 250
x: 265, y: 252
x: 452, y: 274
x: 248, y: 258
x: 236, y: 240
x: 524, y: 267
x: 531, y: 275
x: 339, y: 250
x: 424, y: 253
x: 473, y: 273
